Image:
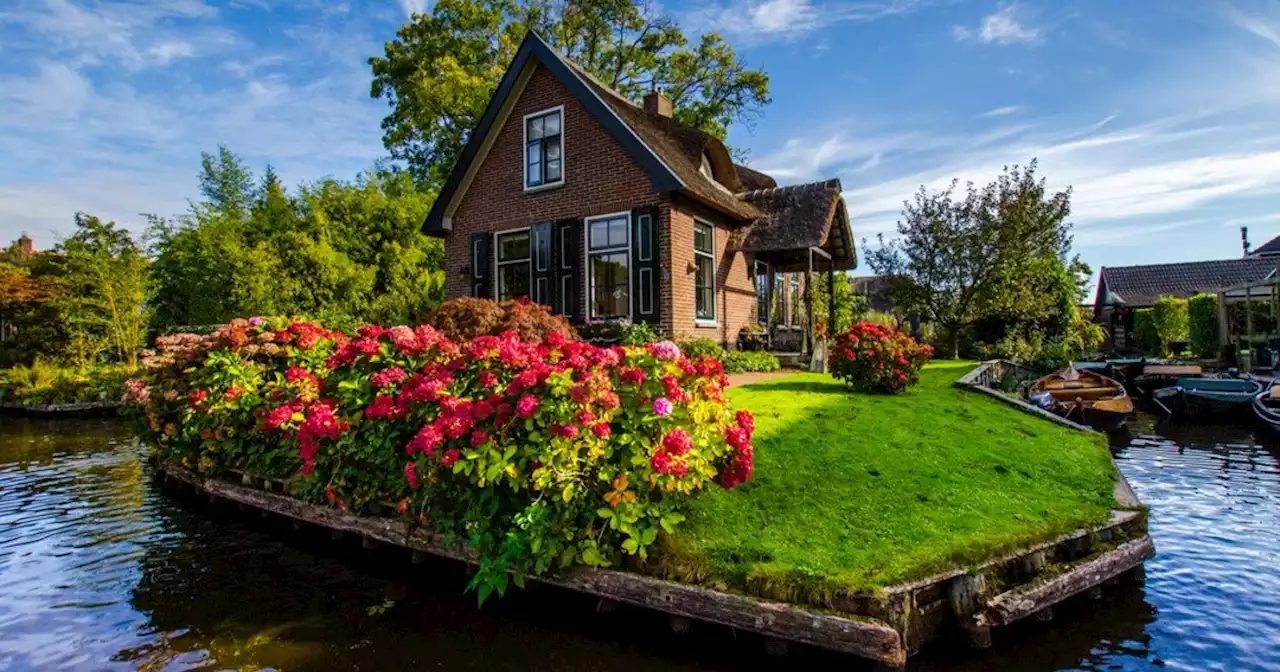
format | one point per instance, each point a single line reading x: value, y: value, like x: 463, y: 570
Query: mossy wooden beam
x: 861, y: 637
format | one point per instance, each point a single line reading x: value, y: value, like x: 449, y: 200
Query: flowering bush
x: 534, y: 454
x: 877, y: 358
x: 466, y: 318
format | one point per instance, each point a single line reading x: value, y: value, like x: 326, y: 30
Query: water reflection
x: 99, y: 569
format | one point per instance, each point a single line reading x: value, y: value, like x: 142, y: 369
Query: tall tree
x: 442, y: 68
x: 102, y: 275
x: 957, y: 258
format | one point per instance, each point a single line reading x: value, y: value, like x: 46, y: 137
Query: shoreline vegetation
x: 44, y: 386
x: 857, y: 492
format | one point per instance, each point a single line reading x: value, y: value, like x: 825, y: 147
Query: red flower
x: 411, y: 475
x: 526, y: 406
x: 387, y: 377
x: 737, y: 437
x: 660, y: 462
x: 234, y: 393
x: 586, y: 417
x: 746, y: 420
x: 450, y: 458
x: 426, y: 441
x: 478, y: 438
x: 602, y: 430
x: 632, y: 376
x: 197, y: 397
x: 678, y: 442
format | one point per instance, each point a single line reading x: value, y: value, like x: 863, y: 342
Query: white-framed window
x: 512, y: 270
x: 704, y: 278
x: 544, y: 149
x: 762, y: 291
x: 793, y: 315
x: 609, y: 266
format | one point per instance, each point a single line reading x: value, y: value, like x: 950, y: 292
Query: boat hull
x: 1191, y: 399
x: 1087, y: 397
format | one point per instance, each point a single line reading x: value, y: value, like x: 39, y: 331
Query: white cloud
x: 1001, y: 111
x: 1266, y: 28
x: 412, y: 7
x: 765, y: 20
x: 1005, y: 26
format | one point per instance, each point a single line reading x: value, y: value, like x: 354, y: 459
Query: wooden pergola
x: 809, y: 260
x: 1267, y: 289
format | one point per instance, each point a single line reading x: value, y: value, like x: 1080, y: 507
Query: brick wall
x: 735, y: 283
x: 600, y: 178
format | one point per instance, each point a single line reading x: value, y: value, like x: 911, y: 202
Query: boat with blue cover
x: 1207, y: 397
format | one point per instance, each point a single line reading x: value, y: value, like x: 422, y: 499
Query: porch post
x: 808, y: 301
x: 768, y: 305
x: 1224, y: 335
x: 831, y: 296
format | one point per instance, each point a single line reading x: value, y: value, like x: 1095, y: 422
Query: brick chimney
x: 657, y: 104
x: 25, y: 247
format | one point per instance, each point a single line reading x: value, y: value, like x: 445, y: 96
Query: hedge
x: 536, y: 455
x: 1144, y: 330
x: 1202, y: 315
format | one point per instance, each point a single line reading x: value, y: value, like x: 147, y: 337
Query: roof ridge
x: 1187, y: 263
x: 829, y: 183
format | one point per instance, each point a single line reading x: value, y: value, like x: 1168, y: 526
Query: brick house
x: 568, y: 193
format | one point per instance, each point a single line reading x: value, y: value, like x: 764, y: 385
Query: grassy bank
x: 856, y: 491
x: 43, y: 383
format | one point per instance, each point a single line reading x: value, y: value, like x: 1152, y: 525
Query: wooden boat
x: 1207, y: 397
x: 1266, y: 405
x: 1159, y: 376
x: 1087, y: 397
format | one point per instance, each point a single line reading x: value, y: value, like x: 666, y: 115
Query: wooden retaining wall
x: 884, y: 626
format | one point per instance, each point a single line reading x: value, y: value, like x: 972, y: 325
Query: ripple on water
x: 99, y: 570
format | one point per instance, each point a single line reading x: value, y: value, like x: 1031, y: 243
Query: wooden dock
x: 884, y: 626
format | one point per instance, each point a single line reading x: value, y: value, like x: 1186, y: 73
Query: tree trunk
x: 955, y: 342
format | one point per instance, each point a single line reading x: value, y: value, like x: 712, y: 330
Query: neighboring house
x: 876, y: 289
x: 569, y: 194
x: 1124, y: 289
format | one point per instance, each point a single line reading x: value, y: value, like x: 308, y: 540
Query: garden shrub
x: 877, y: 358
x: 534, y: 455
x: 750, y: 361
x: 695, y: 348
x: 1144, y: 331
x: 1169, y: 317
x: 45, y: 383
x: 1202, y: 318
x: 466, y: 318
x: 618, y: 332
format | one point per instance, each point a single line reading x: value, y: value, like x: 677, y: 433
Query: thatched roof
x: 752, y: 179
x: 801, y: 216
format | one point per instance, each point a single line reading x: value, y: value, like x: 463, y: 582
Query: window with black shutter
x: 646, y: 266
x: 543, y: 291
x: 481, y: 253
x: 566, y: 255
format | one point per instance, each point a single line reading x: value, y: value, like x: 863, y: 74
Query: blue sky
x: 1164, y: 116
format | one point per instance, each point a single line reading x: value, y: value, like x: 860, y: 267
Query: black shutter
x: 646, y: 300
x: 481, y: 265
x: 567, y: 269
x: 540, y: 255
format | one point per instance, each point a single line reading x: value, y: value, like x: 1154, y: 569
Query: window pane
x: 599, y: 234
x: 552, y: 149
x: 762, y: 295
x: 618, y: 232
x: 705, y: 288
x: 553, y: 171
x: 535, y: 128
x: 551, y: 124
x: 513, y: 281
x: 702, y: 238
x: 609, y: 292
x: 513, y: 246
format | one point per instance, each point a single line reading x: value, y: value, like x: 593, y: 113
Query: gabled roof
x: 1271, y: 247
x: 801, y: 216
x: 1142, y: 285
x: 534, y: 48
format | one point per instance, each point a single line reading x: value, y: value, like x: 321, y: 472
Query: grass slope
x: 855, y: 491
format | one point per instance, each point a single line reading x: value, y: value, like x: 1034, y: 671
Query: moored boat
x: 1087, y: 397
x: 1266, y: 405
x: 1159, y: 376
x: 1208, y: 397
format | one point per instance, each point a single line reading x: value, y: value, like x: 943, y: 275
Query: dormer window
x: 544, y: 149
x: 705, y: 168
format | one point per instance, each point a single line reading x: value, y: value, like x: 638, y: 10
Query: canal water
x: 100, y: 569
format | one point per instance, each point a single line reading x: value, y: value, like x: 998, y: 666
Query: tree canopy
x: 1000, y: 249
x: 345, y: 251
x: 443, y: 66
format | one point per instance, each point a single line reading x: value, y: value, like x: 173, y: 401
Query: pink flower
x: 678, y: 442
x: 425, y: 441
x: 387, y: 377
x: 478, y: 438
x: 660, y: 462
x: 602, y: 430
x: 526, y: 406
x: 664, y: 350
x: 255, y: 321
x: 411, y: 475
x: 737, y: 437
x: 662, y: 407
x: 450, y: 458
x: 746, y: 420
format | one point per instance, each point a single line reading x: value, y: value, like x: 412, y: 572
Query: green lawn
x: 856, y: 491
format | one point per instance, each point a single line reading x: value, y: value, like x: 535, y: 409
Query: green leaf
x: 631, y: 546
x: 604, y: 512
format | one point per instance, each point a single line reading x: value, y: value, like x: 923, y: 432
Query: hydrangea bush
x: 875, y: 357
x: 535, y: 455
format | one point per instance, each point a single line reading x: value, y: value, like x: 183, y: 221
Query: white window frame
x: 795, y: 299
x: 589, y: 271
x: 524, y: 150
x: 497, y: 291
x: 702, y: 321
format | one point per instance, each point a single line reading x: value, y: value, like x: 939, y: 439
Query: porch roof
x: 797, y: 217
